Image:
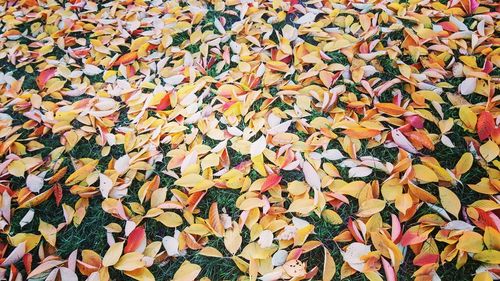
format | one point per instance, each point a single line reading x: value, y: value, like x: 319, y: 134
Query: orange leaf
x: 361, y: 133
x: 390, y: 108
x: 214, y: 220
x: 126, y: 58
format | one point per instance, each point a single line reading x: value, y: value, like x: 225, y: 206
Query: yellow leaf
x: 468, y: 117
x: 232, y: 239
x: 488, y: 256
x: 336, y: 45
x: 251, y: 203
x: 197, y: 229
x: 483, y: 276
x: 113, y: 254
x: 130, y: 261
x: 370, y: 207
x: 187, y: 272
x: 464, y: 164
x: 425, y: 174
x: 37, y: 200
x: 31, y: 240
x: 469, y: 60
x: 303, y: 206
x: 470, y: 242
x: 302, y: 234
x: 373, y: 276
x: 49, y: 232
x: 405, y: 70
x: 278, y: 66
x: 489, y: 151
x: 328, y: 266
x: 189, y: 180
x: 210, y: 252
x: 331, y: 216
x: 81, y: 173
x: 492, y: 238
x: 449, y: 201
x: 141, y: 274
x: 136, y: 43
x: 403, y: 202
x: 16, y: 168
x: 169, y: 219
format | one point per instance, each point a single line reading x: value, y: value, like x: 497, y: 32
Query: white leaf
x: 258, y: 146
x: 265, y: 239
x: 105, y: 185
x: 458, y: 225
x: 34, y: 183
x: 280, y: 128
x: 332, y: 154
x: 468, y: 86
x: 458, y: 23
x: 446, y: 141
x: 91, y: 70
x: 359, y: 172
x: 273, y: 275
x: 27, y: 218
x: 279, y: 258
x: 67, y: 274
x: 219, y: 26
x: 353, y: 255
x: 440, y: 211
x: 174, y: 80
x: 235, y: 131
x: 122, y: 164
x: 311, y: 176
x: 307, y: 18
x: 171, y: 245
x: 5, y: 210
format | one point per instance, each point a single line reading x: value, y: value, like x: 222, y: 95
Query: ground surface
x: 225, y: 140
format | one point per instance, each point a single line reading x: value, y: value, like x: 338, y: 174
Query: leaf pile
x: 270, y: 140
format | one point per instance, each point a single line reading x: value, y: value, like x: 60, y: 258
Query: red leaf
x: 448, y: 26
x: 58, y: 193
x: 488, y: 67
x: 45, y: 76
x: 487, y: 219
x: 271, y: 180
x: 413, y: 236
x: 164, y: 103
x: 135, y: 239
x: 485, y: 125
x: 27, y: 261
x: 425, y: 258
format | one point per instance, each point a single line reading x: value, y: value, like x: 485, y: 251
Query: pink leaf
x: 390, y: 275
x: 396, y: 228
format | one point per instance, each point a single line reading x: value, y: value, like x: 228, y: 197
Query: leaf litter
x: 283, y: 104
